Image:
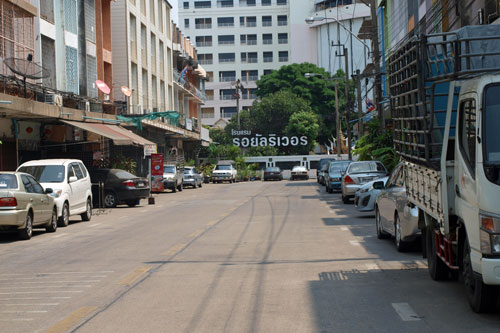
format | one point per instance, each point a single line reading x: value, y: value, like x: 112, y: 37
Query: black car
x: 322, y: 162
x: 273, y: 173
x: 120, y: 186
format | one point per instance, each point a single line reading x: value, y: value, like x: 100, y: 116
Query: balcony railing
x: 204, y: 26
x: 268, y: 59
x: 226, y: 42
x: 225, y: 25
x: 225, y: 97
x: 251, y: 78
x: 251, y: 42
x: 228, y: 114
x: 283, y: 59
x: 206, y: 61
x: 282, y: 23
x: 203, y: 44
x: 227, y: 78
x: 249, y: 24
x: 227, y: 60
x: 267, y: 41
x: 251, y: 60
x: 207, y: 115
x: 283, y: 41
x: 267, y: 23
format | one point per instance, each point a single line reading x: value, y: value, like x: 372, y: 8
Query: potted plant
x: 206, y: 170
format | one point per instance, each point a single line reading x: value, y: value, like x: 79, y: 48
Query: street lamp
x: 337, y: 111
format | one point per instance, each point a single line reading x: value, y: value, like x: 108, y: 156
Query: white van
x: 70, y: 182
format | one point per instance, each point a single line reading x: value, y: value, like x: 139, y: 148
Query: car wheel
x: 201, y: 184
x: 110, y: 200
x: 52, y: 226
x: 481, y: 297
x: 180, y: 187
x: 132, y: 203
x: 345, y: 199
x: 88, y: 211
x: 174, y: 189
x: 400, y: 244
x: 27, y: 231
x: 381, y: 234
x: 437, y: 268
x: 64, y: 218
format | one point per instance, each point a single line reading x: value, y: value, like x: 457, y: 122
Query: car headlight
x: 56, y: 193
x: 490, y: 234
x: 366, y: 189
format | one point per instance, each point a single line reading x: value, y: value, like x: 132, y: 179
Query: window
x: 283, y: 56
x: 28, y: 187
x: 205, y: 59
x: 249, y: 93
x: 248, y: 39
x: 202, y: 41
x: 225, y: 21
x: 144, y: 52
x: 268, y: 56
x: 266, y: 2
x: 145, y: 93
x: 78, y: 171
x: 225, y: 3
x: 252, y: 75
x: 202, y: 4
x: 84, y: 170
x: 186, y: 4
x: 207, y: 113
x: 8, y: 181
x: 283, y: 38
x: 186, y: 23
x: 228, y: 112
x: 267, y: 71
x: 281, y: 2
x: 227, y: 76
x: 227, y: 57
x: 282, y: 20
x: 152, y: 11
x: 72, y: 83
x: 226, y: 94
x: 70, y: 18
x: 226, y: 40
x: 47, y: 10
x: 249, y: 57
x: 203, y: 23
x: 71, y: 172
x: 37, y: 188
x: 160, y: 15
x: 468, y: 133
x: 247, y: 3
x: 248, y: 21
x: 491, y: 120
x: 153, y: 51
x: 267, y: 21
x: 267, y: 39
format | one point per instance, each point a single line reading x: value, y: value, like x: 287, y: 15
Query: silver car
x: 192, y: 177
x: 364, y: 198
x: 394, y: 215
x: 358, y: 174
x: 25, y: 205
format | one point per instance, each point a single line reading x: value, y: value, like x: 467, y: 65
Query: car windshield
x: 324, y: 162
x: 366, y: 167
x: 273, y: 169
x: 298, y: 168
x: 491, y: 121
x: 188, y: 171
x: 222, y: 167
x: 45, y: 173
x: 337, y: 167
x: 168, y: 169
x: 8, y: 181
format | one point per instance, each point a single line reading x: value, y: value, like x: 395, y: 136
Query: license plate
x: 140, y: 184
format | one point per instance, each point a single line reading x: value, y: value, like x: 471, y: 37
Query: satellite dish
x: 126, y: 91
x: 103, y: 87
x: 27, y: 69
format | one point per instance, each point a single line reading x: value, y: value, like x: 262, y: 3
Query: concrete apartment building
x: 236, y: 39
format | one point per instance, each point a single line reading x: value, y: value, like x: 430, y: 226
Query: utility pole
x: 376, y: 62
x: 347, y: 106
x: 239, y: 88
x: 337, y: 111
x: 360, y: 106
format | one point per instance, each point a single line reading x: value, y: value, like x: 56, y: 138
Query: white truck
x: 224, y: 171
x: 445, y: 105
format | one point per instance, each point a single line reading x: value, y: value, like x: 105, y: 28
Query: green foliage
x: 377, y: 144
x: 126, y: 163
x: 303, y: 123
x: 219, y: 136
x: 262, y: 151
x: 191, y: 162
x: 206, y: 169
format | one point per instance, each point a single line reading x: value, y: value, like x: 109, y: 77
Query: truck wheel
x: 174, y: 189
x: 179, y: 188
x: 437, y: 268
x: 481, y: 297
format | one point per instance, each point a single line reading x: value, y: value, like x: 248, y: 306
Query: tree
x: 303, y: 123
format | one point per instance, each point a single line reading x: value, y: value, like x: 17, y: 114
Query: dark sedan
x: 273, y: 173
x: 120, y: 186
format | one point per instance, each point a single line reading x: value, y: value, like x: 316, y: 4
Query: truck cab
x: 224, y: 171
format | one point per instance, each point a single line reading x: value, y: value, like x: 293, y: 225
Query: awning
x: 119, y: 135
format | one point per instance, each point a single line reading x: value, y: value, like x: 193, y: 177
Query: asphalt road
x: 246, y: 257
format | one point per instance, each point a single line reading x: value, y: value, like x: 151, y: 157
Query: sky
x: 175, y: 12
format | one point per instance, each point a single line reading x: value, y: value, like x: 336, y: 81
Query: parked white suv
x: 70, y: 182
x: 224, y: 171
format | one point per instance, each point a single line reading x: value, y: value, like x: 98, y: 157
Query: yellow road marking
x: 196, y: 233
x: 71, y: 320
x: 212, y: 223
x: 174, y: 249
x: 134, y: 276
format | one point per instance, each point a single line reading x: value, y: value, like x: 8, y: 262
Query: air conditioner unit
x: 54, y: 99
x: 156, y: 110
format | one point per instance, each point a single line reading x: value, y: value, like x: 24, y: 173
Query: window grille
x: 70, y: 19
x: 91, y: 76
x: 71, y: 70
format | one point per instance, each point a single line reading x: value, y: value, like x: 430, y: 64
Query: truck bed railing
x: 420, y: 72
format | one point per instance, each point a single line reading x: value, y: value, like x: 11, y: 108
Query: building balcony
x: 203, y: 26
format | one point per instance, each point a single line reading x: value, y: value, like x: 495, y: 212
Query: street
x: 246, y: 257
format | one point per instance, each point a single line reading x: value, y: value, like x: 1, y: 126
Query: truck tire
x: 174, y: 189
x: 179, y: 188
x: 437, y: 268
x: 481, y: 297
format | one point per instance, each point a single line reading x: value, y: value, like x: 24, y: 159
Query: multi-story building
x: 236, y: 40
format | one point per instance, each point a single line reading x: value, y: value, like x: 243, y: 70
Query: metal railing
x: 267, y: 23
x: 227, y: 78
x: 282, y: 23
x: 267, y: 41
x: 227, y: 60
x: 283, y: 41
x: 283, y: 59
x: 203, y: 44
x: 203, y: 26
x: 224, y: 25
x: 226, y: 42
x: 268, y: 59
x: 206, y: 61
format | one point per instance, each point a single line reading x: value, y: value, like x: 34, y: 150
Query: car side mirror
x: 378, y: 185
x: 49, y: 190
x: 72, y: 179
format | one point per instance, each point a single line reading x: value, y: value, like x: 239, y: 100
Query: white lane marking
x: 94, y: 225
x: 58, y: 273
x: 41, y: 311
x: 60, y: 235
x: 344, y: 228
x: 373, y: 267
x: 31, y: 282
x: 19, y: 319
x: 405, y: 311
x: 38, y: 287
x: 43, y: 292
x: 144, y: 211
x: 30, y: 304
x: 354, y: 243
x: 31, y: 298
x: 51, y: 277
